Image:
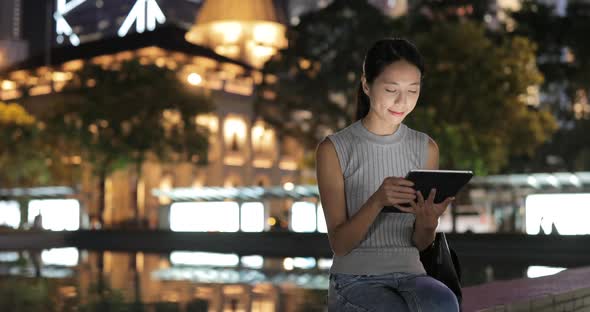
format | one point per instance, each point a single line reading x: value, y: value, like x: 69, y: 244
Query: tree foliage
x: 121, y: 116
x: 27, y: 157
x: 118, y: 116
x: 564, y: 60
x: 474, y: 98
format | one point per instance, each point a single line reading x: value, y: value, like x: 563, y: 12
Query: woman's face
x: 395, y: 91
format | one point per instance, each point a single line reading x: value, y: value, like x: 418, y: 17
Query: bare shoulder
x: 432, y: 146
x: 327, y: 162
x: 433, y: 154
x: 326, y: 150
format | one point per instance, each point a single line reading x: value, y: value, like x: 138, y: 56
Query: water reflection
x: 186, y: 281
x: 179, y: 281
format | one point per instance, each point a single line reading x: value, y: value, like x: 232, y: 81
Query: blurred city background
x: 158, y: 155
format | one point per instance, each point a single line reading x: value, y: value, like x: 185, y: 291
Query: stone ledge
x: 567, y: 291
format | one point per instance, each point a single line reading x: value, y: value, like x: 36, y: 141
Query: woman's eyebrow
x: 395, y: 83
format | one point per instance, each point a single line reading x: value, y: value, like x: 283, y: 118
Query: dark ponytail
x: 363, y: 103
x: 380, y: 55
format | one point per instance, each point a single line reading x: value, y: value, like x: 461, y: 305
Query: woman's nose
x: 401, y: 99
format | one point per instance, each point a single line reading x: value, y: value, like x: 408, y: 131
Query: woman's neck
x: 378, y: 126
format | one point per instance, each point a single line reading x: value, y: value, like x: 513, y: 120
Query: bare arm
x: 346, y: 233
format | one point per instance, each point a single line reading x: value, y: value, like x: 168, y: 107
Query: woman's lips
x: 394, y: 113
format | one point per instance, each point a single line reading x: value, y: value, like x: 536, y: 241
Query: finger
x: 444, y: 205
x: 405, y: 209
x: 402, y: 189
x: 402, y: 181
x: 432, y: 195
x: 415, y: 207
x: 447, y: 202
x: 420, y: 198
x: 402, y: 196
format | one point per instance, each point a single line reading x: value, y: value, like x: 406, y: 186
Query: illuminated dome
x: 247, y: 30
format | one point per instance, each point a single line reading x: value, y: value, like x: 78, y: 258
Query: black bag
x: 442, y: 263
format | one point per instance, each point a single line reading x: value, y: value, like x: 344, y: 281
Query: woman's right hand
x: 395, y: 191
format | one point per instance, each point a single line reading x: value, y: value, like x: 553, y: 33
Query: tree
x: 578, y: 28
x: 20, y: 295
x: 577, y: 156
x: 563, y: 58
x: 120, y: 117
x: 30, y: 156
x: 17, y: 131
x: 473, y: 100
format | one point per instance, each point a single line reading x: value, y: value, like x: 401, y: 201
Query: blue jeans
x: 389, y: 292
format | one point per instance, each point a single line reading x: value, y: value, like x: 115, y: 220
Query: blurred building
x: 89, y: 20
x: 12, y: 47
x: 217, y: 45
x: 243, y: 149
x: 10, y: 19
x: 83, y: 21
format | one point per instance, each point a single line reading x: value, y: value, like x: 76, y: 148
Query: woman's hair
x: 380, y: 55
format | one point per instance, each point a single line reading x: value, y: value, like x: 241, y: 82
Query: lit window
x: 56, y: 214
x: 198, y: 182
x: 60, y: 256
x: 252, y: 217
x: 262, y: 138
x: 299, y: 262
x: 232, y: 181
x: 204, y: 217
x: 324, y: 264
x: 304, y: 263
x: 253, y: 262
x: 303, y: 217
x: 165, y: 185
x: 566, y: 213
x: 204, y: 259
x: 288, y: 264
x: 8, y: 256
x: 262, y: 181
x: 209, y: 121
x: 10, y: 214
x: 234, y: 130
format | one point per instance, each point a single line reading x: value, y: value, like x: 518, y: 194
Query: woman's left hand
x: 427, y: 212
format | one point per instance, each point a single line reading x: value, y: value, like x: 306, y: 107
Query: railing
x: 513, y: 249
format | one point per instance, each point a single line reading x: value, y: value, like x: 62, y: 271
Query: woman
x: 376, y: 264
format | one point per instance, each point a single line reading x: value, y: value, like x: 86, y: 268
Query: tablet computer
x: 446, y: 182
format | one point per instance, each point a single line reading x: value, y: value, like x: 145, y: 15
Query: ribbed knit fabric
x: 366, y: 159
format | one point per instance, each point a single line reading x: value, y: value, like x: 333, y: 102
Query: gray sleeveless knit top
x: 366, y: 159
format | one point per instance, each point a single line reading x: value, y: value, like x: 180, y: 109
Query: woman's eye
x: 391, y: 91
x: 413, y: 91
